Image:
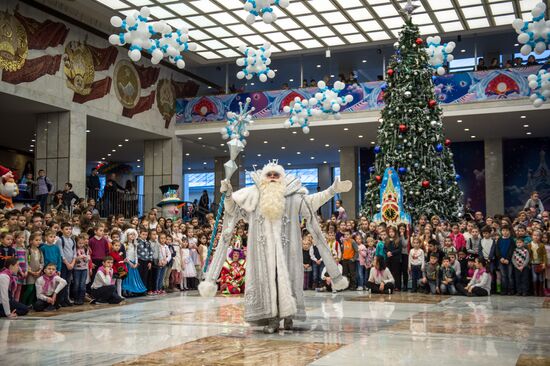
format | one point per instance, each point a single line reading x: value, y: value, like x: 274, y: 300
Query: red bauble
x: 447, y: 142
x: 390, y: 72
x: 403, y: 128
x: 432, y: 103
x: 419, y: 41
x: 426, y: 183
x: 378, y: 179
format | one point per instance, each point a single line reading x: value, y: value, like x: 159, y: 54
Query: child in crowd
x: 99, y: 247
x: 81, y: 269
x: 350, y: 254
x: 133, y: 284
x: 175, y: 273
x: 448, y: 246
x: 48, y: 287
x: 455, y: 264
x: 10, y: 308
x: 520, y: 261
x: 416, y: 263
x: 189, y: 271
x: 103, y: 287
x: 21, y: 255
x: 361, y: 264
x: 334, y: 246
x: 67, y: 246
x: 50, y: 251
x: 161, y: 261
x: 447, y: 278
x: 145, y: 259
x: 36, y: 265
x: 537, y: 255
x: 381, y: 245
x: 480, y: 284
x: 369, y: 260
x: 474, y: 241
x: 168, y: 271
x: 504, y: 249
x: 380, y: 279
x: 306, y: 244
x: 119, y: 265
x: 456, y: 236
x: 430, y: 275
x: 6, y: 250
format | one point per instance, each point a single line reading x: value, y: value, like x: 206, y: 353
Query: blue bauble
x: 458, y: 177
x: 439, y: 148
x: 372, y: 169
x: 402, y: 170
x: 377, y: 149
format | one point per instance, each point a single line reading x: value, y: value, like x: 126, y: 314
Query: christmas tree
x: 410, y: 136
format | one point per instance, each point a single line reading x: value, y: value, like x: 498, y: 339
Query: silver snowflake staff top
x: 237, y: 123
x: 408, y: 9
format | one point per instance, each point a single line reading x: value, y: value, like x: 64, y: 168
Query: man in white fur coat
x: 273, y: 207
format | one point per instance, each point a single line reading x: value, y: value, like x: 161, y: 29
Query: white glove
x: 226, y: 187
x: 339, y: 186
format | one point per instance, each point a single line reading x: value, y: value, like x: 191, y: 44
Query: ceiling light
x: 523, y: 117
x: 221, y: 144
x: 318, y: 66
x: 312, y: 158
x: 204, y: 163
x: 462, y: 51
x: 31, y: 150
x: 108, y: 154
x: 338, y: 150
x: 528, y: 133
x: 311, y: 139
x: 32, y: 145
x: 372, y: 142
x: 324, y: 162
x: 294, y: 132
x: 186, y: 154
x: 102, y: 158
x: 139, y: 166
x: 252, y: 84
x: 138, y: 160
x: 346, y: 129
x: 360, y: 136
x: 259, y: 155
x: 297, y: 152
x: 332, y: 75
x: 283, y: 147
x: 126, y: 140
x: 113, y: 150
x: 516, y: 44
x: 291, y: 80
x: 88, y: 131
x: 119, y: 145
x: 199, y: 138
x: 523, y: 126
x: 466, y: 129
x: 265, y: 142
x: 473, y: 136
x: 364, y: 61
x: 459, y: 120
x: 327, y: 145
x: 188, y: 168
x: 288, y: 164
x: 209, y: 87
x: 33, y: 140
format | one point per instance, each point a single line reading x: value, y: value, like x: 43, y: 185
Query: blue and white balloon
x: 439, y: 53
x: 264, y: 9
x: 540, y: 86
x: 237, y: 123
x: 325, y: 103
x: 154, y: 37
x: 534, y: 35
x: 255, y: 62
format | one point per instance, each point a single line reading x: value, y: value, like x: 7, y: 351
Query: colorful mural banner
x: 458, y: 88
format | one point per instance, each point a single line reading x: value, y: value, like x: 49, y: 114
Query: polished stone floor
x: 342, y: 329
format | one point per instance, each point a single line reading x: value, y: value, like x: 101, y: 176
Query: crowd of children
x: 48, y: 261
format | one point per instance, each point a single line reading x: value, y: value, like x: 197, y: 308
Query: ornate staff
x: 236, y: 131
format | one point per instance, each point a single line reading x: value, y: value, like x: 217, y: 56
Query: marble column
x: 61, y: 149
x: 162, y: 164
x: 349, y: 163
x: 237, y: 180
x: 325, y: 181
x: 494, y: 177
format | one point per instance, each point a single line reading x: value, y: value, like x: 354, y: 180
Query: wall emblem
x: 127, y: 84
x: 79, y: 67
x: 166, y: 100
x: 14, y: 46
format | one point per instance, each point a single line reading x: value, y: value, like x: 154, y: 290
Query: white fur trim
x: 208, y: 289
x: 340, y: 284
x: 271, y: 167
x: 247, y: 198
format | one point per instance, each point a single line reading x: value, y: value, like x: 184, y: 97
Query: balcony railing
x: 457, y: 88
x: 117, y: 202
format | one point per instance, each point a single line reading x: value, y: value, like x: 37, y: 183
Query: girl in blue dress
x: 132, y: 284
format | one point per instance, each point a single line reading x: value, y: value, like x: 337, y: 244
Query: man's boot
x: 288, y: 324
x: 272, y: 326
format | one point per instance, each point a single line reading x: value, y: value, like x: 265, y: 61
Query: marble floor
x: 341, y: 329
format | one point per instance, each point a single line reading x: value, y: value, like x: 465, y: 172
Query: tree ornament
x: 378, y: 179
x: 447, y: 142
x: 439, y: 148
x: 390, y: 72
x: 402, y: 170
x: 426, y: 183
x: 433, y: 123
x: 458, y: 177
x: 377, y: 149
x: 432, y: 103
x: 407, y: 94
x: 419, y: 41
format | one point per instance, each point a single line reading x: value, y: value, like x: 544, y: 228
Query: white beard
x: 272, y: 200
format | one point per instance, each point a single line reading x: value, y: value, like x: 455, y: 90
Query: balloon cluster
x: 533, y: 35
x: 154, y: 37
x: 540, y: 86
x: 264, y: 9
x: 255, y: 62
x: 438, y: 54
x: 237, y: 123
x: 326, y: 102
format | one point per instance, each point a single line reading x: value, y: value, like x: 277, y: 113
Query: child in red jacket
x: 119, y: 265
